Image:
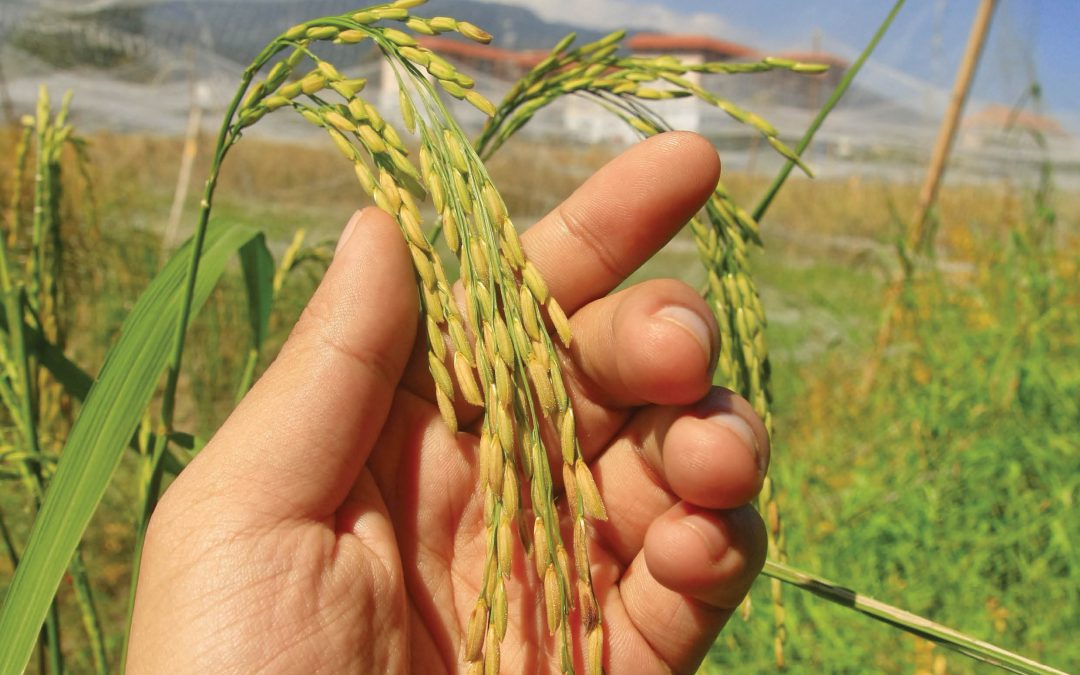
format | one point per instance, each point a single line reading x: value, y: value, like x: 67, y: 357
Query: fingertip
x: 712, y: 556
x: 708, y: 461
x: 370, y: 228
x: 696, y: 148
x: 667, y: 340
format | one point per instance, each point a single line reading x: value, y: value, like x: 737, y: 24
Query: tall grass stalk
x: 908, y: 622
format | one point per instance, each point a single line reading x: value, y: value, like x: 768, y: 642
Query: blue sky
x: 1029, y: 39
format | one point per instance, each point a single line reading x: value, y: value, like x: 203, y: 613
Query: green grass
x: 950, y: 491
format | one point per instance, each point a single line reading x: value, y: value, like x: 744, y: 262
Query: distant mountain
x: 238, y: 29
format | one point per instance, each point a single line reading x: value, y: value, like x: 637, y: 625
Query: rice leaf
x: 109, y: 417
x: 258, y: 266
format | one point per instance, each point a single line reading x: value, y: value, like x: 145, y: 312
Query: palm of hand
x: 355, y: 541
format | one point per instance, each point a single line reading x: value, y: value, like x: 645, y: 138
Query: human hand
x: 334, y: 524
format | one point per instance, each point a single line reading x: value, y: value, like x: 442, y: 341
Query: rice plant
x: 502, y: 352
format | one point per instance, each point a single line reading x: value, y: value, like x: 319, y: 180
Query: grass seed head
x: 371, y: 139
x: 552, y: 599
x: 495, y: 464
x: 352, y: 36
x: 424, y: 269
x: 562, y: 401
x: 443, y: 24
x: 466, y: 381
x: 322, y: 33
x: 505, y: 536
x: 512, y: 244
x: 446, y: 409
x: 529, y: 320
x: 474, y: 638
x: 418, y: 25
x: 570, y: 487
x: 531, y: 276
x: 559, y: 321
x: 420, y: 57
x: 313, y: 83
x: 441, y: 375
x: 473, y: 32
x: 511, y: 493
x: 590, y: 617
x: 590, y: 495
x: 491, y: 654
x: 500, y: 611
x: 435, y: 338
x: 478, y: 101
x: 504, y: 423
x: 541, y: 548
x: 413, y: 230
x: 567, y: 438
x: 594, y: 652
x: 581, y: 550
x: 450, y: 227
x: 542, y: 385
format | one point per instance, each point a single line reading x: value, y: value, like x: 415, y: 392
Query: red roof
x: 1003, y: 117
x: 471, y: 50
x: 661, y: 42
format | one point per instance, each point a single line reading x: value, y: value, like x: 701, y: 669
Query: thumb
x: 300, y: 438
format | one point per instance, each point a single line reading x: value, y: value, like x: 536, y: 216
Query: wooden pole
x: 931, y: 185
x: 187, y: 164
x: 947, y: 131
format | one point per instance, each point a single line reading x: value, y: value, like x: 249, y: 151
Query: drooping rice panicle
x: 500, y: 355
x: 621, y: 84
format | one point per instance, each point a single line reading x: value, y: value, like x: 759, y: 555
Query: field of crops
x: 922, y: 389
x: 948, y: 490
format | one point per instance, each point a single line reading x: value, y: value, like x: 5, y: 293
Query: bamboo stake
x: 931, y: 185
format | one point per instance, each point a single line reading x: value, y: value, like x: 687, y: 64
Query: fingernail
x: 689, y: 321
x: 349, y: 228
x: 742, y: 429
x: 715, y: 544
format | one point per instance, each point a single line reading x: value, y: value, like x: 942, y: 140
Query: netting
x: 143, y: 66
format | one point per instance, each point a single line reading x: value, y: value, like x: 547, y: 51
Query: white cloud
x: 612, y: 14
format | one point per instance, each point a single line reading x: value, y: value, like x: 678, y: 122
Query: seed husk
x: 590, y: 617
x: 466, y: 381
x: 581, y: 549
x: 552, y: 599
x: 511, y: 493
x: 531, y: 276
x: 473, y: 32
x: 570, y: 487
x: 505, y: 538
x: 446, y: 409
x: 474, y: 638
x: 500, y: 610
x: 491, y: 654
x: 594, y: 654
x: 590, y: 495
x: 542, y: 385
x: 567, y: 438
x: 541, y: 550
x: 441, y: 375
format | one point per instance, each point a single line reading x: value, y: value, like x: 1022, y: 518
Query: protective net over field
x: 144, y: 66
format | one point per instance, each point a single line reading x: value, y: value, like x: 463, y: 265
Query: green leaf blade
x: 102, y: 430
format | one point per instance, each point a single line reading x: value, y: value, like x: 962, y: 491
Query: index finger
x: 621, y: 216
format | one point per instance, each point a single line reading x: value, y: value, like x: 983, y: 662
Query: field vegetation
x: 948, y: 489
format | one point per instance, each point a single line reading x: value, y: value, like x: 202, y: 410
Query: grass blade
x: 834, y: 98
x: 102, y: 430
x: 258, y: 266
